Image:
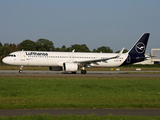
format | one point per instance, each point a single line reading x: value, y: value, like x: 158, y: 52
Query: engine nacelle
x: 70, y: 67
x: 55, y: 68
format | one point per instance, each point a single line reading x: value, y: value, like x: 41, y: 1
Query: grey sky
x: 96, y: 23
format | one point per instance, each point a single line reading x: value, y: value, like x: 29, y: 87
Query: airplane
x: 72, y: 61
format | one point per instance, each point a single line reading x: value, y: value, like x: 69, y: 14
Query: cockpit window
x: 11, y: 55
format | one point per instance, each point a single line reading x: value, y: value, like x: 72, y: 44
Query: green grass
x: 21, y: 93
x: 78, y: 117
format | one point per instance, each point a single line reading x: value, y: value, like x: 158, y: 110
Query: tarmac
x: 98, y: 112
x: 27, y: 73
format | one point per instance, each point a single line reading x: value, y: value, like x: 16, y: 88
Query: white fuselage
x: 43, y: 58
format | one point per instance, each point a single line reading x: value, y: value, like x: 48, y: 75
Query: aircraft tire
x: 83, y: 71
x: 20, y: 71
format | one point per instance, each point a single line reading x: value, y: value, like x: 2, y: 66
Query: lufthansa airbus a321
x: 72, y: 61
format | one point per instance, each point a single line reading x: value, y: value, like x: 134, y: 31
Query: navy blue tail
x: 140, y: 47
x: 137, y: 52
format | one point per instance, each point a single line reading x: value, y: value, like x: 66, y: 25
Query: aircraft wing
x: 99, y: 60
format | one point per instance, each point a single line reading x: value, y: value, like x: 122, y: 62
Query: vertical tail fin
x: 136, y: 53
x: 140, y: 46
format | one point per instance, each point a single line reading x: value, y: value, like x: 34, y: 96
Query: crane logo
x: 140, y: 47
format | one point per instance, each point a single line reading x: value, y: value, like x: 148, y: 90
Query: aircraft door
x: 71, y: 57
x: 22, y: 56
x: 97, y: 57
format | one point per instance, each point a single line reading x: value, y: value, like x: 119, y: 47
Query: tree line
x: 47, y: 45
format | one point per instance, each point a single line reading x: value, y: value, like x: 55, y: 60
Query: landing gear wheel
x: 83, y: 71
x: 20, y: 71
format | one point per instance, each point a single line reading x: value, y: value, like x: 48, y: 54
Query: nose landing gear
x: 21, y: 71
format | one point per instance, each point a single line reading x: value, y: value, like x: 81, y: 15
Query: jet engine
x: 70, y: 67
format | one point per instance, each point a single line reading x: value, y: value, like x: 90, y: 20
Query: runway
x: 32, y: 73
x: 98, y: 112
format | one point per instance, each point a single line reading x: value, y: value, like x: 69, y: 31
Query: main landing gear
x: 21, y: 71
x: 83, y: 71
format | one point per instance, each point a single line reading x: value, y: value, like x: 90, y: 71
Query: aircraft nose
x: 7, y: 60
x: 4, y: 60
